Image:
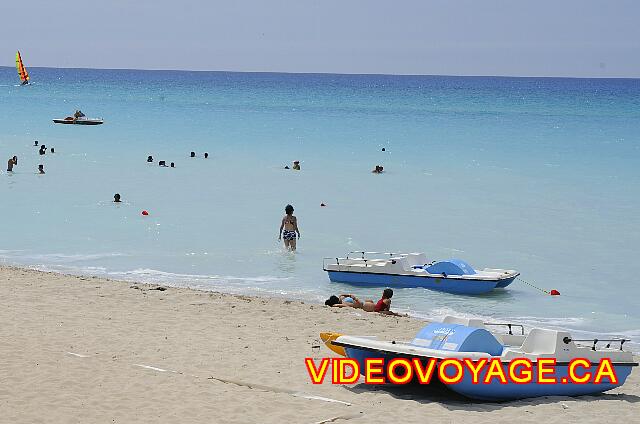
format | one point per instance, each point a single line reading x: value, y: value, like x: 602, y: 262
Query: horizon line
x: 327, y: 73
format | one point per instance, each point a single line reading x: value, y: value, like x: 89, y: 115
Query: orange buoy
x: 145, y: 213
x: 554, y: 292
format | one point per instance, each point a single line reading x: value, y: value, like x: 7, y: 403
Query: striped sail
x: 22, y: 71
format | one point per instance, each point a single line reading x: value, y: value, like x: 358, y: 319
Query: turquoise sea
x: 535, y: 174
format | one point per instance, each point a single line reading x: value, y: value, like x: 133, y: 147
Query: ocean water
x: 535, y: 174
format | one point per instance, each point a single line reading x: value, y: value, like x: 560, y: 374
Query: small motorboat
x: 79, y: 121
x: 414, y: 270
x: 459, y: 338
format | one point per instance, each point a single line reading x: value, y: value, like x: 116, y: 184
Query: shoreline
x: 182, y: 282
x: 91, y: 349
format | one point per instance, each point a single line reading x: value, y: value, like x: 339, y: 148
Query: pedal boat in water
x: 461, y: 338
x: 79, y: 121
x: 414, y: 270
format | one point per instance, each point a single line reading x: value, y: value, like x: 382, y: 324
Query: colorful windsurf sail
x: 22, y: 71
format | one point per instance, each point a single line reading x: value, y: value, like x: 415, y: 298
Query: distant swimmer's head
x: 333, y: 300
x: 206, y: 155
x: 116, y: 198
x: 35, y: 143
x: 162, y: 163
x: 193, y: 154
x: 41, y: 169
x: 53, y: 150
x: 173, y: 165
x: 288, y: 209
x: 15, y: 160
x: 149, y: 158
x: 387, y: 294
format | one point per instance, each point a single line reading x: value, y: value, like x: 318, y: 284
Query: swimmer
x: 149, y: 159
x: 296, y: 165
x: 173, y: 165
x: 52, y: 150
x: 193, y: 154
x: 35, y: 143
x: 206, y: 155
x: 43, y: 150
x: 162, y: 163
x: 378, y: 170
x: 288, y: 229
x: 40, y: 169
x: 116, y: 198
x: 10, y: 164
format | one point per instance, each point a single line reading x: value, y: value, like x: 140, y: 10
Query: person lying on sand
x: 348, y: 301
x: 351, y: 301
x: 384, y: 304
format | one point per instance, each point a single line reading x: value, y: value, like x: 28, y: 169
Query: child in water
x: 288, y: 229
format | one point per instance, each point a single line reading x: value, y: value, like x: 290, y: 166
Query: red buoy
x: 145, y: 213
x: 554, y: 292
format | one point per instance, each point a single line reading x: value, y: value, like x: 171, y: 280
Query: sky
x: 585, y: 38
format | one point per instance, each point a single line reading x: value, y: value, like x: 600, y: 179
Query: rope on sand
x: 279, y: 390
x: 293, y: 393
x: 338, y: 418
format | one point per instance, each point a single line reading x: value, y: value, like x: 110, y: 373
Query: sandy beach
x: 82, y: 349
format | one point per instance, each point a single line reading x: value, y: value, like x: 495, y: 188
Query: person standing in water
x: 40, y: 169
x: 12, y: 161
x: 289, y: 229
x: 116, y: 198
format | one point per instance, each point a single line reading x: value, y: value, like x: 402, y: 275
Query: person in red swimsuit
x: 384, y: 304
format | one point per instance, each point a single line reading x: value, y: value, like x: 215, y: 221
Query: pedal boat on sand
x: 79, y: 121
x: 461, y: 338
x: 414, y: 270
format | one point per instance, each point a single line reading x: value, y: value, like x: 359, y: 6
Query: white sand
x: 89, y: 350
